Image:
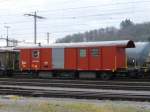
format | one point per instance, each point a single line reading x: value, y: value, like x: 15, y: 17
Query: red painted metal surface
x: 109, y: 58
x: 82, y: 62
x: 95, y: 60
x: 25, y: 59
x: 121, y: 58
x: 70, y: 59
x: 46, y: 58
x: 35, y: 61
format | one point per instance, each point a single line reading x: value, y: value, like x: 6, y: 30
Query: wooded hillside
x: 128, y: 30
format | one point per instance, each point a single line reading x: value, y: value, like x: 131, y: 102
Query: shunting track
x: 83, y: 89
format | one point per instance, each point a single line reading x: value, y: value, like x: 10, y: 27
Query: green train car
x: 9, y: 61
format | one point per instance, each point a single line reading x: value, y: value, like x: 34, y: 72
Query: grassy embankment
x: 48, y: 106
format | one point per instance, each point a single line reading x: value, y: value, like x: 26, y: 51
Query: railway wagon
x: 86, y: 59
x: 9, y: 61
x: 139, y: 58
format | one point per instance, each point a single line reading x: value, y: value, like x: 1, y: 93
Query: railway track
x: 114, y: 85
x: 114, y: 90
x: 75, y: 93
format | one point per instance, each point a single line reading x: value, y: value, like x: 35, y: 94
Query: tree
x: 128, y: 30
x: 148, y: 39
x: 126, y: 23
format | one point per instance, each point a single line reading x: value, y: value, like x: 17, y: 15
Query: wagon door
x: 46, y: 58
x: 94, y: 58
x: 25, y: 62
x: 58, y: 58
x: 35, y: 60
x: 109, y: 61
x: 82, y: 59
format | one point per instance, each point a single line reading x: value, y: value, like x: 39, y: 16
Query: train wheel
x: 2, y: 73
x: 34, y: 74
x: 70, y: 75
x: 9, y: 73
x: 45, y: 75
x: 87, y: 75
x: 133, y: 75
x: 105, y: 76
x: 76, y: 76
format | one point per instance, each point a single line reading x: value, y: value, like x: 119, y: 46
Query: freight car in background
x: 139, y: 58
x: 82, y: 60
x: 9, y: 61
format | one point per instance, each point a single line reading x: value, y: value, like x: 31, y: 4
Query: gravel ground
x: 12, y: 103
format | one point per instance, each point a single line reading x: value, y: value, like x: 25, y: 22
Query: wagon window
x: 95, y: 52
x: 82, y: 52
x: 35, y: 54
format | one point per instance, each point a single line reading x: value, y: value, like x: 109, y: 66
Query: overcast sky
x: 67, y: 16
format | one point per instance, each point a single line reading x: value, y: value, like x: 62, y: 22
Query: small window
x: 82, y: 52
x: 95, y: 52
x: 35, y: 54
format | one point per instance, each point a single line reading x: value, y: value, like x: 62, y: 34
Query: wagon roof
x: 8, y: 49
x: 140, y: 48
x: 120, y: 43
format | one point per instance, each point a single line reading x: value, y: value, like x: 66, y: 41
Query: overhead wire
x: 86, y: 7
x: 109, y: 14
x: 83, y: 16
x: 101, y: 6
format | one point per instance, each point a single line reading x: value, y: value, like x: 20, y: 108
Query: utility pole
x: 35, y: 16
x: 7, y: 27
x: 48, y: 37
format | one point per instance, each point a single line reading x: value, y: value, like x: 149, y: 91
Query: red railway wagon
x: 86, y: 59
